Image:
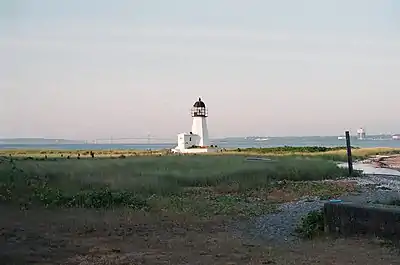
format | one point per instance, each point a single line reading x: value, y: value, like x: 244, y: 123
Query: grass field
x: 334, y: 153
x: 158, y: 209
x: 201, y: 184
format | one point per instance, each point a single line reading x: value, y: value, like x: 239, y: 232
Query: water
x: 87, y: 146
x: 224, y: 143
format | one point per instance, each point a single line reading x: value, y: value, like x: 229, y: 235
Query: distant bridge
x: 132, y: 140
x: 161, y: 140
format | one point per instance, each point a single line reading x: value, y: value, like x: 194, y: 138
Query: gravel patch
x: 385, y: 182
x: 279, y: 227
x: 375, y: 188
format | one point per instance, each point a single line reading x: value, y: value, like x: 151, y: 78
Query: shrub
x: 312, y: 224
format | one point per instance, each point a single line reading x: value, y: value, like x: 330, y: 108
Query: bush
x: 41, y: 193
x: 312, y: 224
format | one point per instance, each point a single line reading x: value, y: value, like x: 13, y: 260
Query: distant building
x: 196, y: 141
x: 396, y: 136
x: 361, y: 135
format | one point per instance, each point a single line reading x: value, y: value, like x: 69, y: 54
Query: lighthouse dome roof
x: 199, y: 104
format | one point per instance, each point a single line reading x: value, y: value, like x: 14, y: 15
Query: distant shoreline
x: 72, y: 147
x: 222, y: 143
x: 256, y: 140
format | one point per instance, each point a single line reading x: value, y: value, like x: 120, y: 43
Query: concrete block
x: 349, y: 219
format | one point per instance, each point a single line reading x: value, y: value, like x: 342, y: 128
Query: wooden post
x: 349, y: 157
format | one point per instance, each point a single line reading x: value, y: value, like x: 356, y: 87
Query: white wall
x: 199, y: 127
x: 187, y: 140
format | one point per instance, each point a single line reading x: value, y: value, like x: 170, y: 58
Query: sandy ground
x: 120, y: 237
x: 392, y: 161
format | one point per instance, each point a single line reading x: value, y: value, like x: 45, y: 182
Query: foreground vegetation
x: 141, y: 209
x: 201, y: 185
x: 311, y: 225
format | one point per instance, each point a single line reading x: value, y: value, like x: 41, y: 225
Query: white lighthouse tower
x: 199, y: 125
x: 196, y: 141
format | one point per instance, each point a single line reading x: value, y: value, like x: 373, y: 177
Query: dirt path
x: 119, y: 237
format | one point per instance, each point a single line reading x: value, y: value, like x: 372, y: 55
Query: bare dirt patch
x: 392, y: 161
x: 78, y: 236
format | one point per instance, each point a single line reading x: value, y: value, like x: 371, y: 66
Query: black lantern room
x: 199, y: 109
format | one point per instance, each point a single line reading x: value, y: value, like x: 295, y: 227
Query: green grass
x: 201, y: 185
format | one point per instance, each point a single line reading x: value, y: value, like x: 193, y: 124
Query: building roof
x: 199, y: 104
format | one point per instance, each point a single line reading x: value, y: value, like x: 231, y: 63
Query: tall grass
x: 223, y: 183
x: 201, y: 185
x: 170, y: 173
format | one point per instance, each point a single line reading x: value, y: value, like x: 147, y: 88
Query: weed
x: 312, y: 224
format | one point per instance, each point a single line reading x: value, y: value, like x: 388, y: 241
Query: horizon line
x: 156, y: 138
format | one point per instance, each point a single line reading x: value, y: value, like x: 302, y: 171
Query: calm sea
x: 226, y: 143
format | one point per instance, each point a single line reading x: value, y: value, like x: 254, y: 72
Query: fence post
x: 349, y: 157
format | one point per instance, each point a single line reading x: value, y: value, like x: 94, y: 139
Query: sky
x: 98, y: 68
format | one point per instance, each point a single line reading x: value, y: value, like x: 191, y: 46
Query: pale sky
x: 95, y: 68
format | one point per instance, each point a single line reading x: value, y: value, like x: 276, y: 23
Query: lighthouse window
x: 190, y: 138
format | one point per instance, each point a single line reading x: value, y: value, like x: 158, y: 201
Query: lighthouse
x: 197, y: 140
